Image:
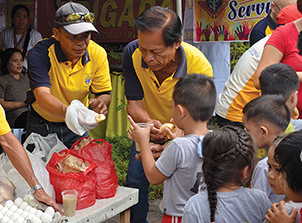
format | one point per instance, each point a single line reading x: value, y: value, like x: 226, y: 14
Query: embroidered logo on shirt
x: 87, y: 79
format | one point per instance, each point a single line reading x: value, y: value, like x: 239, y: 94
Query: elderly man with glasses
x: 268, y: 24
x: 65, y: 67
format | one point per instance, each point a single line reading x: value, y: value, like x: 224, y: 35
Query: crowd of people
x: 168, y: 80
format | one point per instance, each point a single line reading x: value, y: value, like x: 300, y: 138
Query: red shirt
x: 285, y: 39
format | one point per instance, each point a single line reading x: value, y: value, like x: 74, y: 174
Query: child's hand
x: 138, y: 134
x: 275, y: 215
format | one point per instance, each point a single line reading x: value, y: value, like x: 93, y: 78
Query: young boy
x: 278, y: 79
x: 193, y: 103
x: 265, y: 118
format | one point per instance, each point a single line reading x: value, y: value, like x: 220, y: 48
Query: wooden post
x: 125, y: 216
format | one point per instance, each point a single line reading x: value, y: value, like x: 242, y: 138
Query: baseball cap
x: 74, y: 18
x: 288, y: 14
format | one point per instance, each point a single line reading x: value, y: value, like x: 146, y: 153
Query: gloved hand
x: 80, y: 119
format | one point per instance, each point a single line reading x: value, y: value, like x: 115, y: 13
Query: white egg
x: 18, y: 201
x: 14, y: 216
x: 1, y: 215
x: 19, y: 220
x: 23, y: 205
x: 24, y: 214
x: 3, y: 210
x: 36, y: 220
x: 27, y: 198
x: 30, y: 216
x: 1, y: 206
x: 8, y: 213
x: 46, y: 218
x: 5, y: 219
x: 57, y: 217
x: 13, y: 208
x: 50, y: 210
x: 32, y: 211
x: 27, y: 208
x: 8, y: 203
x: 39, y: 213
x: 10, y: 221
x: 19, y: 211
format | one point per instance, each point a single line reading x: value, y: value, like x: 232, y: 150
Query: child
x: 288, y: 156
x: 229, y: 156
x: 278, y: 79
x: 275, y: 180
x: 193, y: 103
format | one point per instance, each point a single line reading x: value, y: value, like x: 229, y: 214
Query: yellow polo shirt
x: 48, y: 67
x: 142, y: 84
x: 4, y: 126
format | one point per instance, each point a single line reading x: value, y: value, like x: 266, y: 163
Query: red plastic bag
x: 99, y: 151
x: 83, y: 182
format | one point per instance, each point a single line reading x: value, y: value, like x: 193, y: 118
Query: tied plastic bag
x: 99, y: 151
x: 83, y: 182
x: 80, y: 119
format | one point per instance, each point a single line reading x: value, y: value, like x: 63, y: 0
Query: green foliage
x: 237, y: 49
x: 121, y: 147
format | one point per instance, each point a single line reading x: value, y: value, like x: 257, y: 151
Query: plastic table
x: 104, y: 209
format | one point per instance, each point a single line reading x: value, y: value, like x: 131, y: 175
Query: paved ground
x: 154, y: 215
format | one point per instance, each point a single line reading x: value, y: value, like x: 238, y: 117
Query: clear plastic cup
x: 141, y: 125
x: 69, y: 202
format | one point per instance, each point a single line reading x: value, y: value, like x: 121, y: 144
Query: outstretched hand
x: 41, y: 196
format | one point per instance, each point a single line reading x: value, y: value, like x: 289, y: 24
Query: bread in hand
x: 166, y: 125
x: 100, y: 117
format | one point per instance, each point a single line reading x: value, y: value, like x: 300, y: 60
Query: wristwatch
x: 35, y: 188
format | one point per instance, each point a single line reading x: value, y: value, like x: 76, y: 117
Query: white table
x: 104, y: 209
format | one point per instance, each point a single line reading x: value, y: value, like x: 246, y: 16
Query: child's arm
x: 141, y: 136
x: 275, y: 215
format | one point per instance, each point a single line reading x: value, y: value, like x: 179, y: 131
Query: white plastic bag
x: 80, y: 119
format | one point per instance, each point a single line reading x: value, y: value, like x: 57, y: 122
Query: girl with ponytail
x: 228, y: 161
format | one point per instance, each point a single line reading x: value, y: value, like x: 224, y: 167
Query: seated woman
x: 14, y: 84
x: 21, y: 35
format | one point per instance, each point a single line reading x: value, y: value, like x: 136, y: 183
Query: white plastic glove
x: 80, y: 119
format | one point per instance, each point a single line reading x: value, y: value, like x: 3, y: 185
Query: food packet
x: 71, y: 163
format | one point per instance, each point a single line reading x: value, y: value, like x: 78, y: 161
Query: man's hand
x: 41, y: 196
x: 155, y: 134
x: 275, y: 215
x: 156, y: 151
x: 98, y: 106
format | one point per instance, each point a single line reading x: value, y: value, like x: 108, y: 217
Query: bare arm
x: 18, y: 156
x: 271, y: 55
x: 11, y: 105
x: 49, y: 102
x: 141, y: 136
x: 137, y: 112
x: 100, y: 104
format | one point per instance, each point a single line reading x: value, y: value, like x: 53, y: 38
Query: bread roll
x: 164, y: 126
x: 100, y: 117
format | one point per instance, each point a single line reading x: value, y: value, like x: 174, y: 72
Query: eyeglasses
x: 277, y: 6
x: 74, y: 18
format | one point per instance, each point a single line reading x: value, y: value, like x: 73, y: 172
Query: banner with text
x: 227, y: 20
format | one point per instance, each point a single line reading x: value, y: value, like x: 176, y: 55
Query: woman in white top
x: 20, y: 36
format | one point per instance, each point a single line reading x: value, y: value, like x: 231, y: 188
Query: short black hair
x: 16, y: 8
x: 288, y: 156
x: 197, y: 93
x: 279, y: 79
x: 156, y: 18
x: 269, y: 108
x: 5, y: 56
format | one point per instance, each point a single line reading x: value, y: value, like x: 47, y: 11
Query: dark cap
x: 74, y: 18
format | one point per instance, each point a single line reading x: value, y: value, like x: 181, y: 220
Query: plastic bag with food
x: 79, y: 176
x: 80, y: 119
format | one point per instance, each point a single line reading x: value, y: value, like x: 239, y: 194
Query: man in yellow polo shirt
x: 152, y: 66
x: 65, y: 67
x: 17, y: 155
